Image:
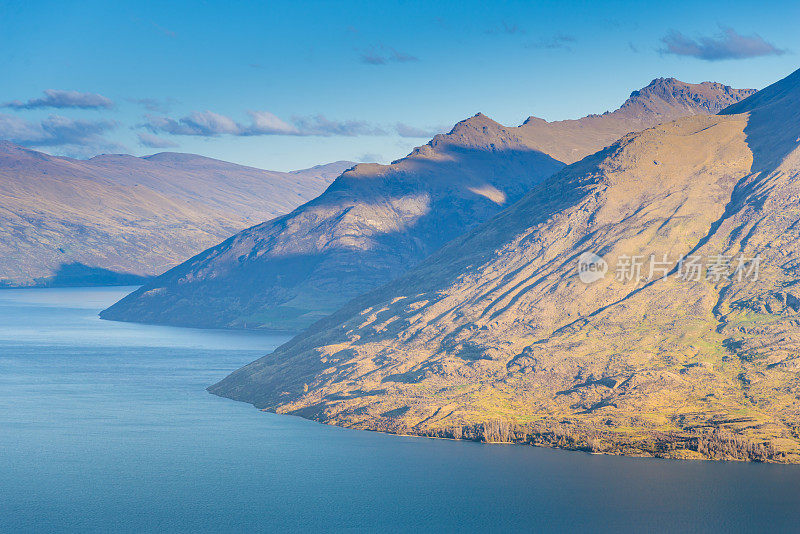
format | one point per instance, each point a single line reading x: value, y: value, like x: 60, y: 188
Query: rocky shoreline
x: 715, y: 444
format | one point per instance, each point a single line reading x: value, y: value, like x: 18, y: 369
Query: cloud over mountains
x: 88, y: 135
x: 56, y: 131
x: 54, y: 98
x: 727, y: 45
x: 211, y: 124
x: 155, y: 105
x: 153, y: 141
x: 406, y: 130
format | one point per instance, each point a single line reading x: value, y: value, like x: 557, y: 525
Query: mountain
x: 116, y: 218
x: 502, y: 336
x: 376, y: 221
x: 663, y: 100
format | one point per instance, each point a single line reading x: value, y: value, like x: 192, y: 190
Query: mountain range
x: 377, y: 221
x: 118, y: 218
x: 505, y: 334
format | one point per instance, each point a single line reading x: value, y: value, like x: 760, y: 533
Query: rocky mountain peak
x: 705, y: 97
x: 478, y: 122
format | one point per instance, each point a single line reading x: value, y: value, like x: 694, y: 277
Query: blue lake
x: 107, y: 427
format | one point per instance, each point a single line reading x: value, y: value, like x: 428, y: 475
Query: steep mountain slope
x: 376, y: 221
x: 72, y: 221
x: 498, y: 337
x: 663, y: 100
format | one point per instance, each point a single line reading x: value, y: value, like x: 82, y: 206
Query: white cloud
x: 265, y: 123
x: 56, y: 130
x: 210, y: 124
x: 54, y: 98
x: 153, y: 141
x: 727, y: 45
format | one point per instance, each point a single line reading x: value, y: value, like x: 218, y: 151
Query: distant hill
x: 118, y: 218
x: 498, y: 337
x: 377, y: 221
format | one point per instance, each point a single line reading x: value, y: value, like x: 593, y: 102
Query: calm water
x: 107, y: 427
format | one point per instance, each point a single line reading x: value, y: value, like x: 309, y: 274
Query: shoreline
x: 716, y: 446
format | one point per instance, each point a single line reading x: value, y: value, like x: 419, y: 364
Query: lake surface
x: 107, y: 427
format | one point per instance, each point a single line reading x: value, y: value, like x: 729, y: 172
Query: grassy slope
x: 494, y: 337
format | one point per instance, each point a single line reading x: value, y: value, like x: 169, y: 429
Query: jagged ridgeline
x: 500, y: 336
x: 377, y: 221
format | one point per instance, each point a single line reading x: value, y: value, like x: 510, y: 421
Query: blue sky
x: 285, y: 85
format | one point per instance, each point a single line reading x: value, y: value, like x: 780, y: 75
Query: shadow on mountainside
x: 78, y: 275
x: 291, y: 364
x: 365, y: 230
x: 773, y: 126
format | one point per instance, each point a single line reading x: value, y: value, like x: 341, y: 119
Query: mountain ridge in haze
x: 495, y: 337
x: 135, y: 217
x: 376, y: 221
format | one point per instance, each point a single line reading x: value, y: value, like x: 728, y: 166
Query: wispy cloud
x: 156, y: 105
x: 320, y: 125
x: 17, y: 129
x: 371, y: 58
x: 210, y: 124
x: 559, y: 41
x: 401, y: 57
x: 506, y: 29
x: 162, y: 30
x: 266, y: 123
x: 405, y: 130
x: 153, y: 141
x: 199, y: 123
x: 54, y: 98
x: 370, y: 157
x: 727, y: 45
x: 57, y: 131
x: 383, y: 55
